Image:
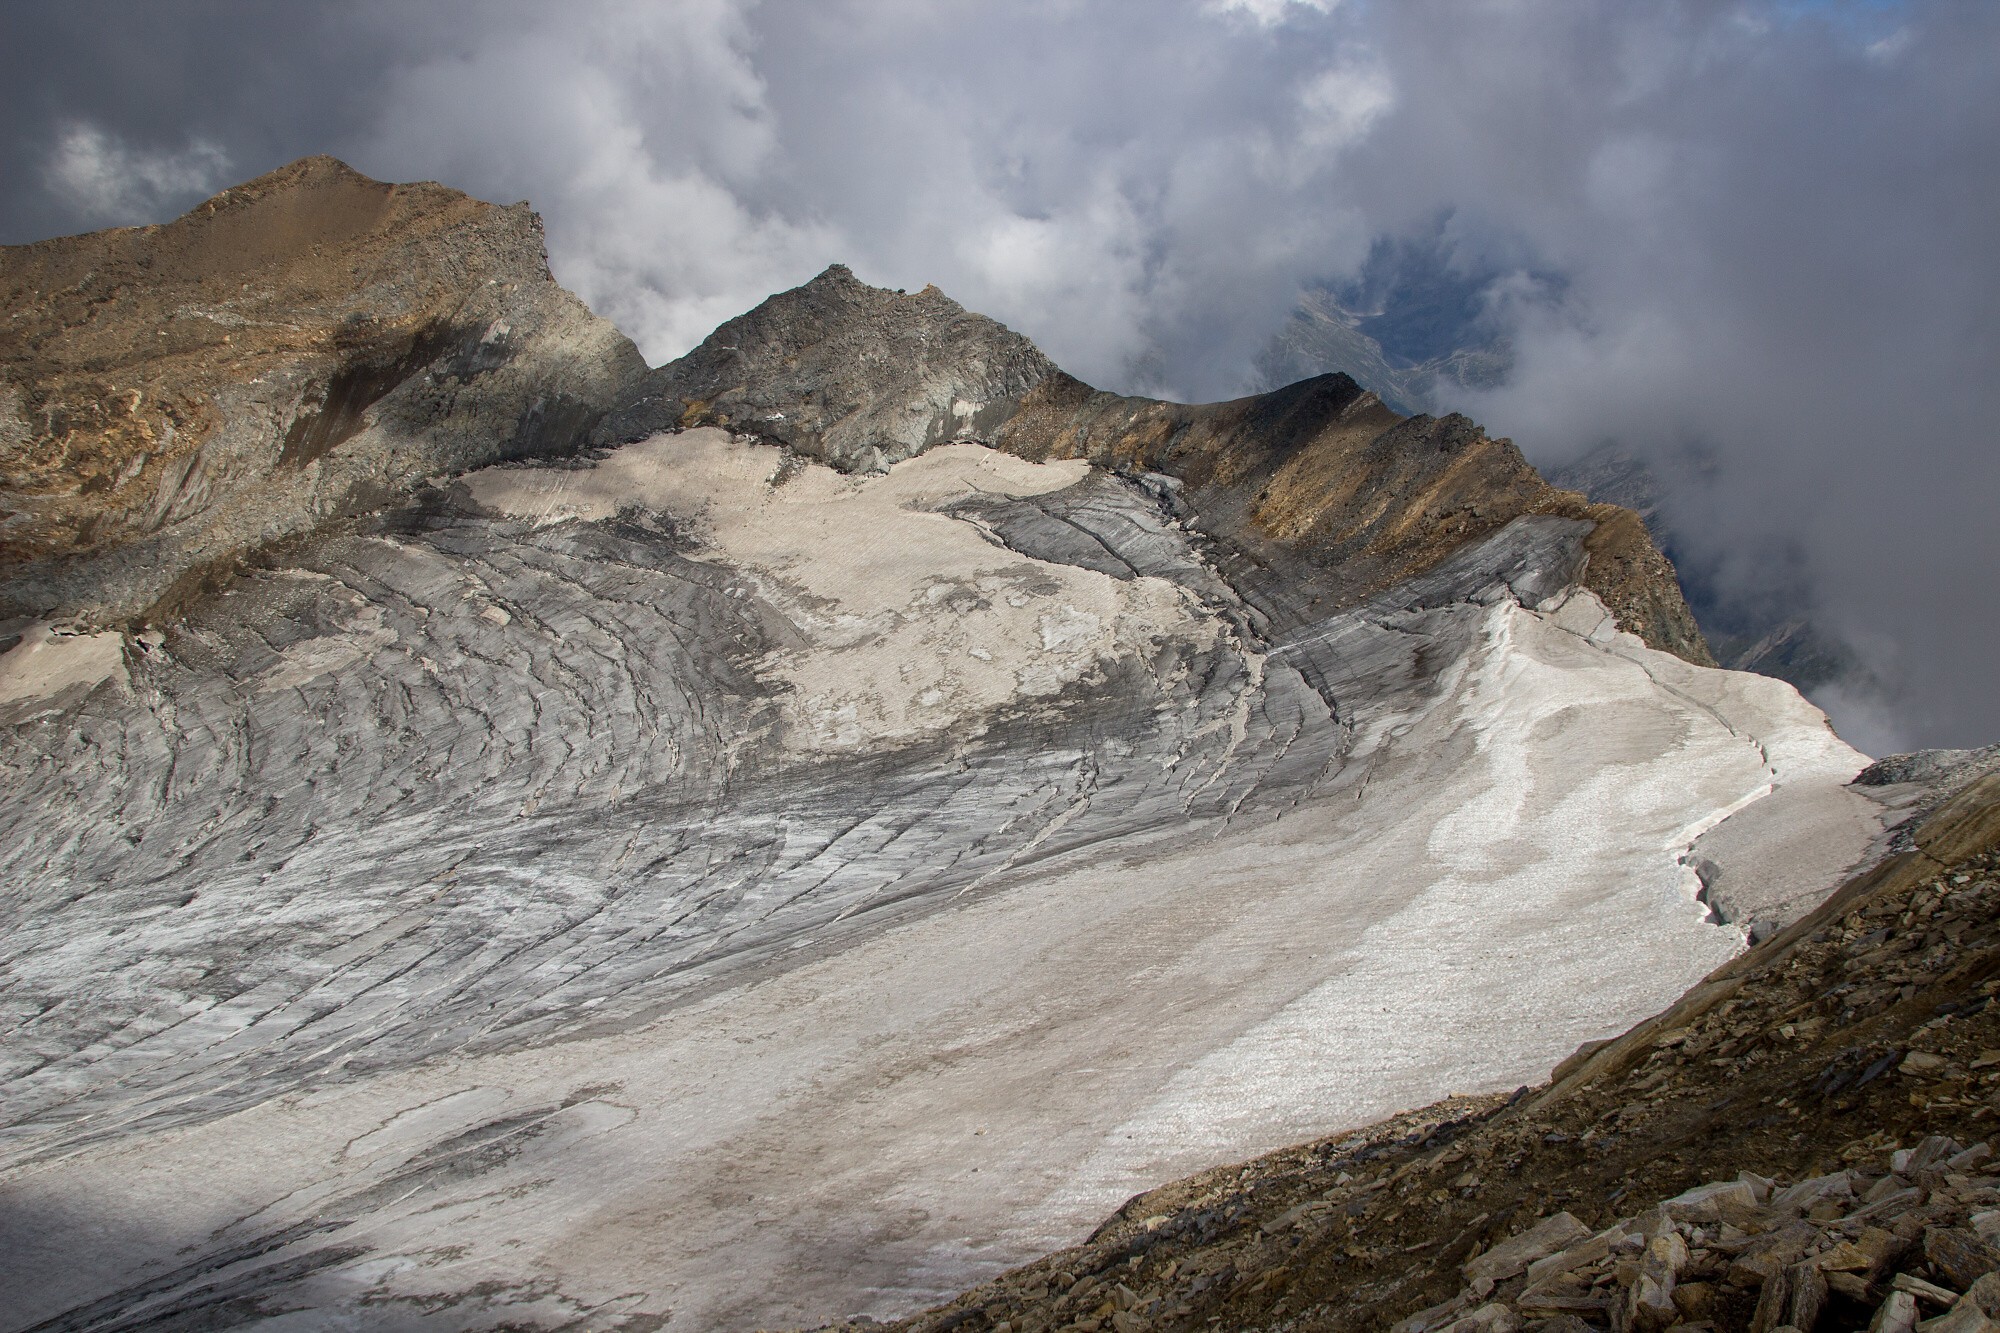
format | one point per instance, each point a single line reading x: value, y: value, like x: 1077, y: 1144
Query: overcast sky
x: 1774, y: 227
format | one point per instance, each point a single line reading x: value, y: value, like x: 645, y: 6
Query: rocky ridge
x: 1322, y: 494
x: 1801, y: 1142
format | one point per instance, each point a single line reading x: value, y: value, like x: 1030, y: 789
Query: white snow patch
x: 51, y: 662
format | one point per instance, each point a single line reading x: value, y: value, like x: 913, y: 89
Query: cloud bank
x: 1768, y: 223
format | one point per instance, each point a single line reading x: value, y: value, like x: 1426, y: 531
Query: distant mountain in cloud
x: 1417, y: 322
x: 1417, y: 326
x: 1323, y: 335
x: 1772, y: 628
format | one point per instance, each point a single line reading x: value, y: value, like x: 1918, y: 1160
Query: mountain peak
x: 318, y: 170
x: 287, y: 351
x: 855, y: 375
x: 1339, y: 496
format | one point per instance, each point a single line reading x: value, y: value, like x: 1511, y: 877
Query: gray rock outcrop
x: 1943, y: 771
x: 852, y: 375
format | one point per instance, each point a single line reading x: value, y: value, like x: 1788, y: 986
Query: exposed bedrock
x: 856, y: 376
x: 1321, y: 495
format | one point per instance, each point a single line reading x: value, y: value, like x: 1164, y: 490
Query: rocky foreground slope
x: 535, y: 842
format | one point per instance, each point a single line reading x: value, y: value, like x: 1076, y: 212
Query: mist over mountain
x: 1421, y: 329
x: 1423, y: 319
x: 1234, y: 664
x: 1413, y: 325
x: 1767, y: 626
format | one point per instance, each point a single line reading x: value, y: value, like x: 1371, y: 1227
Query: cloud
x: 691, y: 158
x: 1774, y: 255
x: 1343, y: 103
x: 1268, y: 13
x: 644, y: 142
x: 1753, y: 229
x: 107, y: 182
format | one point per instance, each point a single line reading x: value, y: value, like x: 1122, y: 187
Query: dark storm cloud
x: 1757, y: 232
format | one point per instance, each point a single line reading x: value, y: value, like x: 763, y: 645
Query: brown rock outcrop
x: 1330, y: 489
x: 295, y: 349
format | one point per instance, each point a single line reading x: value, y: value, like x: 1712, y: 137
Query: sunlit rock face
x: 691, y: 885
x: 298, y: 350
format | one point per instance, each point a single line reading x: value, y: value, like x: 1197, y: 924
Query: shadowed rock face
x: 691, y: 885
x: 1323, y: 493
x: 297, y: 349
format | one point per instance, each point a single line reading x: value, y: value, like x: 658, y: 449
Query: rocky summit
x: 503, y: 837
x: 297, y: 350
